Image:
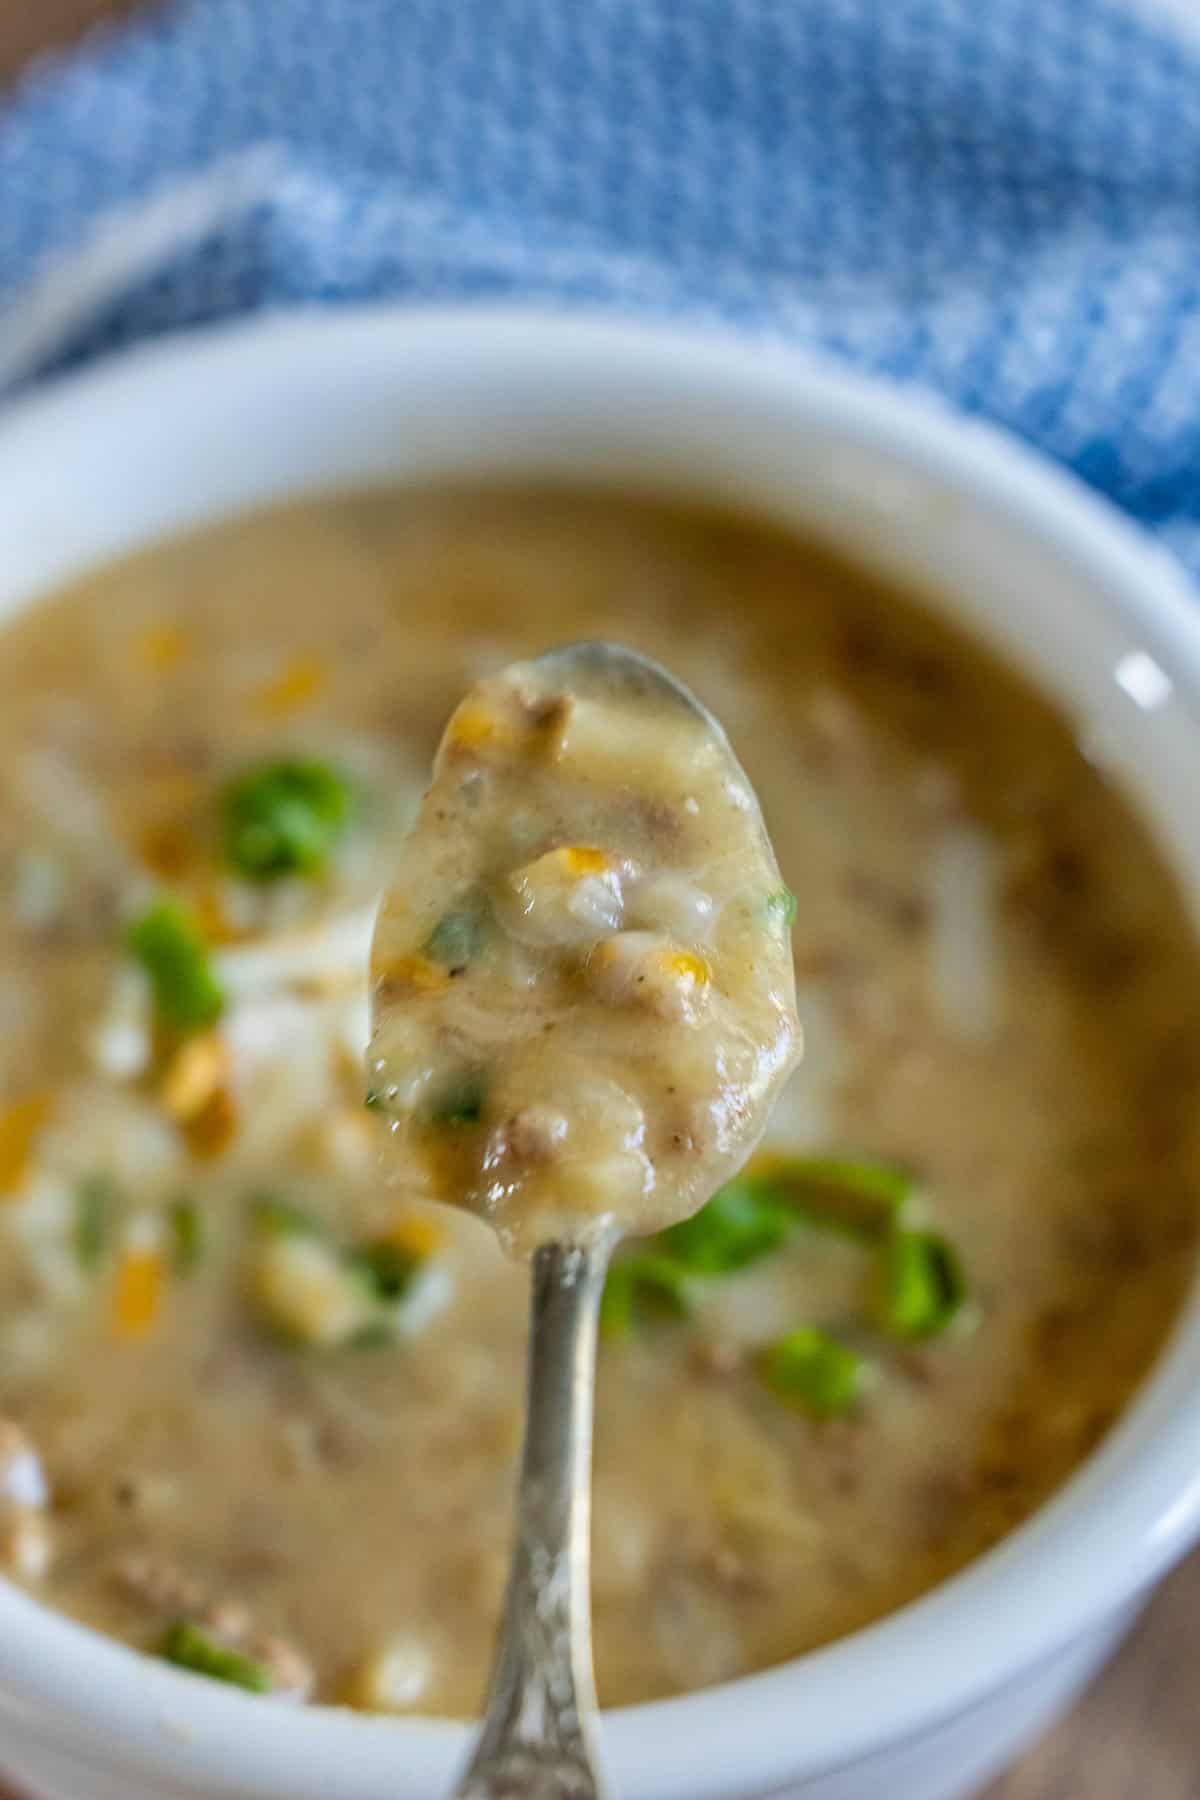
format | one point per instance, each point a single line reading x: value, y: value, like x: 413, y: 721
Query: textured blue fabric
x: 999, y: 199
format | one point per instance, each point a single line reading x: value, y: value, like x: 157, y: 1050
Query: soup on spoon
x: 583, y: 994
x: 583, y: 1006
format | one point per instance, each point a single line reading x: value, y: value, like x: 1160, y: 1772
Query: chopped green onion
x: 188, y: 1233
x: 922, y: 1285
x: 856, y: 1196
x: 744, y: 1220
x: 282, y: 1218
x: 95, y: 1206
x: 189, y: 1647
x: 285, y: 818
x: 461, y: 1101
x: 781, y: 907
x: 374, y: 1101
x: 169, y: 945
x: 458, y: 936
x: 386, y: 1269
x: 811, y: 1370
x: 643, y: 1286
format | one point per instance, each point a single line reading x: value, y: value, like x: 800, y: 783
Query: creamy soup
x: 582, y: 973
x: 251, y: 1422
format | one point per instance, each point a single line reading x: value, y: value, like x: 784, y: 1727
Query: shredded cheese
x: 19, y: 1127
x: 297, y: 684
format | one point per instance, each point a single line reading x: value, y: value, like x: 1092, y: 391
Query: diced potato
x: 631, y: 751
x: 568, y: 896
x: 122, y: 1041
x: 671, y: 903
x: 589, y: 1188
x: 394, y: 1678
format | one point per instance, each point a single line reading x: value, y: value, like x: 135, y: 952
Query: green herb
x: 169, y: 945
x: 282, y: 1218
x: 744, y: 1220
x: 458, y: 936
x: 781, y: 908
x: 387, y: 1275
x: 856, y: 1196
x: 188, y: 1233
x: 922, y: 1285
x: 386, y: 1269
x: 374, y: 1101
x: 809, y: 1369
x: 461, y: 1101
x: 285, y: 818
x: 644, y: 1287
x: 95, y: 1208
x: 189, y: 1647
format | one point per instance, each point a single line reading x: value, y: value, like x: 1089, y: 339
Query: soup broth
x: 263, y: 1417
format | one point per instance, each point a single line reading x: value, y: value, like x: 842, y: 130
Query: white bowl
x: 929, y: 1703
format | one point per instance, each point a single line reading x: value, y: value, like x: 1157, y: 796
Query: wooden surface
x: 1136, y: 1734
x: 27, y: 26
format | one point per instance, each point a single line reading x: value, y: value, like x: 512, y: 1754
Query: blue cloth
x: 999, y: 199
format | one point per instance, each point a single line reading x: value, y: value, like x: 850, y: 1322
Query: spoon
x: 538, y: 1740
x: 539, y: 1736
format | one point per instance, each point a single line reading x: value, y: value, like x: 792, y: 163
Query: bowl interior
x: 174, y: 436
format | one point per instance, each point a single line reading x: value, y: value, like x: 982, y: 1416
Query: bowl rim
x: 1113, y: 1528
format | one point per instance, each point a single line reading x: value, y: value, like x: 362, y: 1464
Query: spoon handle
x: 537, y: 1737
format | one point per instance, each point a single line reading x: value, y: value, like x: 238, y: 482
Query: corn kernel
x: 193, y: 1075
x: 579, y: 860
x: 19, y: 1126
x: 476, y: 727
x: 414, y: 974
x: 418, y: 1235
x: 162, y: 647
x: 686, y: 966
x: 299, y: 681
x: 138, y: 1292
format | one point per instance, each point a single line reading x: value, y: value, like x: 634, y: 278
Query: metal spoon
x: 538, y: 1740
x: 539, y: 1734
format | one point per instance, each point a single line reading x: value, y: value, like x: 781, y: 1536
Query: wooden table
x: 1136, y: 1735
